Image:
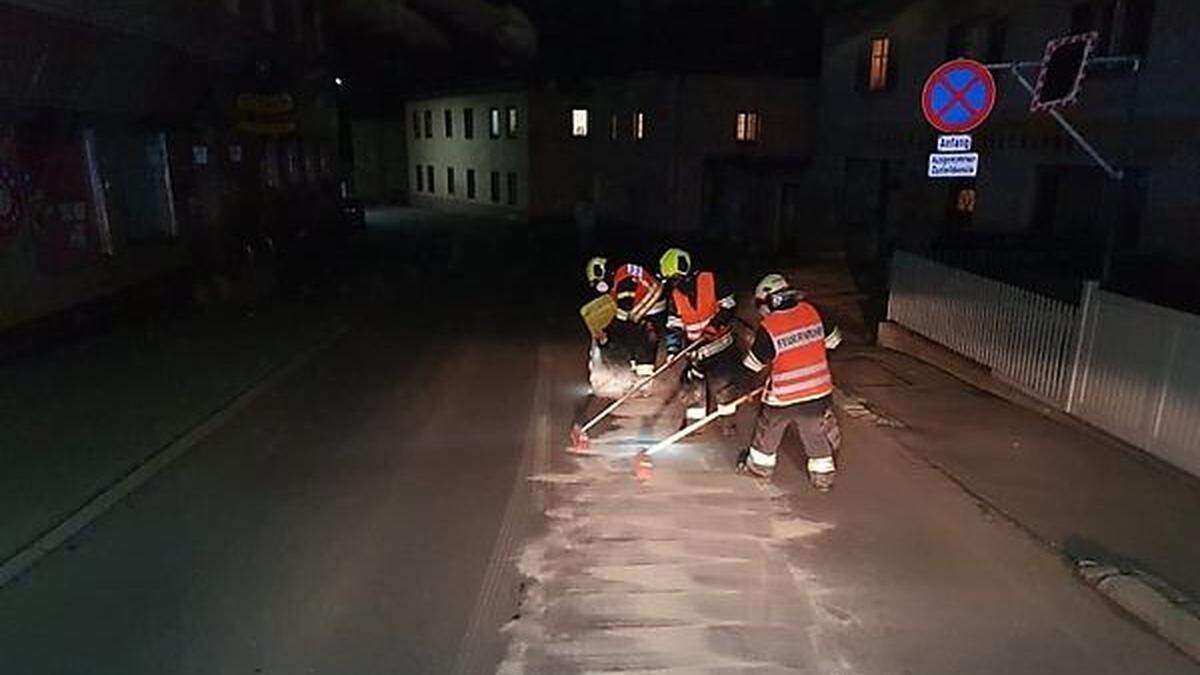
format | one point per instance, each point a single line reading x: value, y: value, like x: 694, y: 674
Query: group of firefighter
x: 693, y: 313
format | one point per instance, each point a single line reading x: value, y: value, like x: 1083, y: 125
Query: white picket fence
x: 1138, y: 376
x: 1025, y: 338
x: 1128, y: 367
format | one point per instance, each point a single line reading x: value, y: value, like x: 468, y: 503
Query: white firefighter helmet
x: 773, y: 291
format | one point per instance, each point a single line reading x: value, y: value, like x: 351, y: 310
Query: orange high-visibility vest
x: 696, y: 317
x: 800, y: 371
x: 646, y: 294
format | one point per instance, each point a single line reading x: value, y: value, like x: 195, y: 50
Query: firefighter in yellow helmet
x: 700, y: 308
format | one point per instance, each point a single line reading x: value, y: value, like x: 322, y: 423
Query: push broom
x: 579, y: 438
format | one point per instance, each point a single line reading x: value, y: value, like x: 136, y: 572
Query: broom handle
x: 641, y: 383
x: 698, y: 424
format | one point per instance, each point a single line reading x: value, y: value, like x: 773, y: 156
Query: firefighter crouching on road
x: 791, y: 342
x: 701, y: 309
x: 641, y: 312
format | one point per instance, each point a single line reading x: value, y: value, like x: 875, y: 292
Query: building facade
x: 142, y: 139
x: 1038, y: 199
x: 471, y: 152
x: 712, y: 154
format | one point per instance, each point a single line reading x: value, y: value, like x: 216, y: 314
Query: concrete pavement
x: 699, y: 570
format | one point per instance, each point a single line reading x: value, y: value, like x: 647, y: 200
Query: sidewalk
x: 1085, y: 494
x: 75, y: 420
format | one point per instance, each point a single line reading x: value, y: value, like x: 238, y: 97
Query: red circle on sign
x: 958, y: 96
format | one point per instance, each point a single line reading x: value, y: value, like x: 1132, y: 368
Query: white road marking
x: 29, y: 556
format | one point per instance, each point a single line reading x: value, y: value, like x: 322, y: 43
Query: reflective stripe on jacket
x: 637, y: 293
x: 800, y: 370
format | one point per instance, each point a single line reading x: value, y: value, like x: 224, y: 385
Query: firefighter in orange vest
x: 701, y: 309
x: 790, y: 344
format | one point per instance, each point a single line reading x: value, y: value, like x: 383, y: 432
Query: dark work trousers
x: 813, y: 421
x: 714, y: 375
x: 637, y: 339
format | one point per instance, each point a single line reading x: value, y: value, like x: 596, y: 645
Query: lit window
x: 612, y: 127
x: 494, y: 123
x: 513, y: 121
x: 639, y: 125
x: 579, y: 122
x: 878, y: 76
x: 746, y: 127
x: 966, y: 200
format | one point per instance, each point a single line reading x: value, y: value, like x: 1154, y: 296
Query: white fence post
x: 1082, y: 342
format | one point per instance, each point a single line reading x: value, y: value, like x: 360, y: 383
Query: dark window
x: 420, y: 179
x: 512, y: 121
x: 980, y: 39
x: 470, y: 183
x: 1124, y: 25
x: 429, y: 178
x: 416, y: 125
x: 468, y: 123
x: 450, y: 180
x: 512, y: 188
x: 494, y: 123
x: 428, y: 124
x: 448, y: 120
x: 1080, y: 209
x: 496, y: 187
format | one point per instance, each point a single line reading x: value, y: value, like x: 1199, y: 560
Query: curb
x: 27, y: 557
x: 1148, y: 603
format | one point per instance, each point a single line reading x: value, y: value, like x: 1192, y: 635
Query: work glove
x: 674, y: 344
x: 711, y: 332
x: 726, y: 409
x: 834, y: 338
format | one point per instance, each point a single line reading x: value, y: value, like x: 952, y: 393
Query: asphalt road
x: 357, y: 520
x: 340, y: 524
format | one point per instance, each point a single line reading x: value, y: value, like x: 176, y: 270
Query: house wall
x: 1138, y: 121
x: 485, y: 155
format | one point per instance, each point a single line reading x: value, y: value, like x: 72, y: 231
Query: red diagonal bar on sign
x: 959, y: 96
